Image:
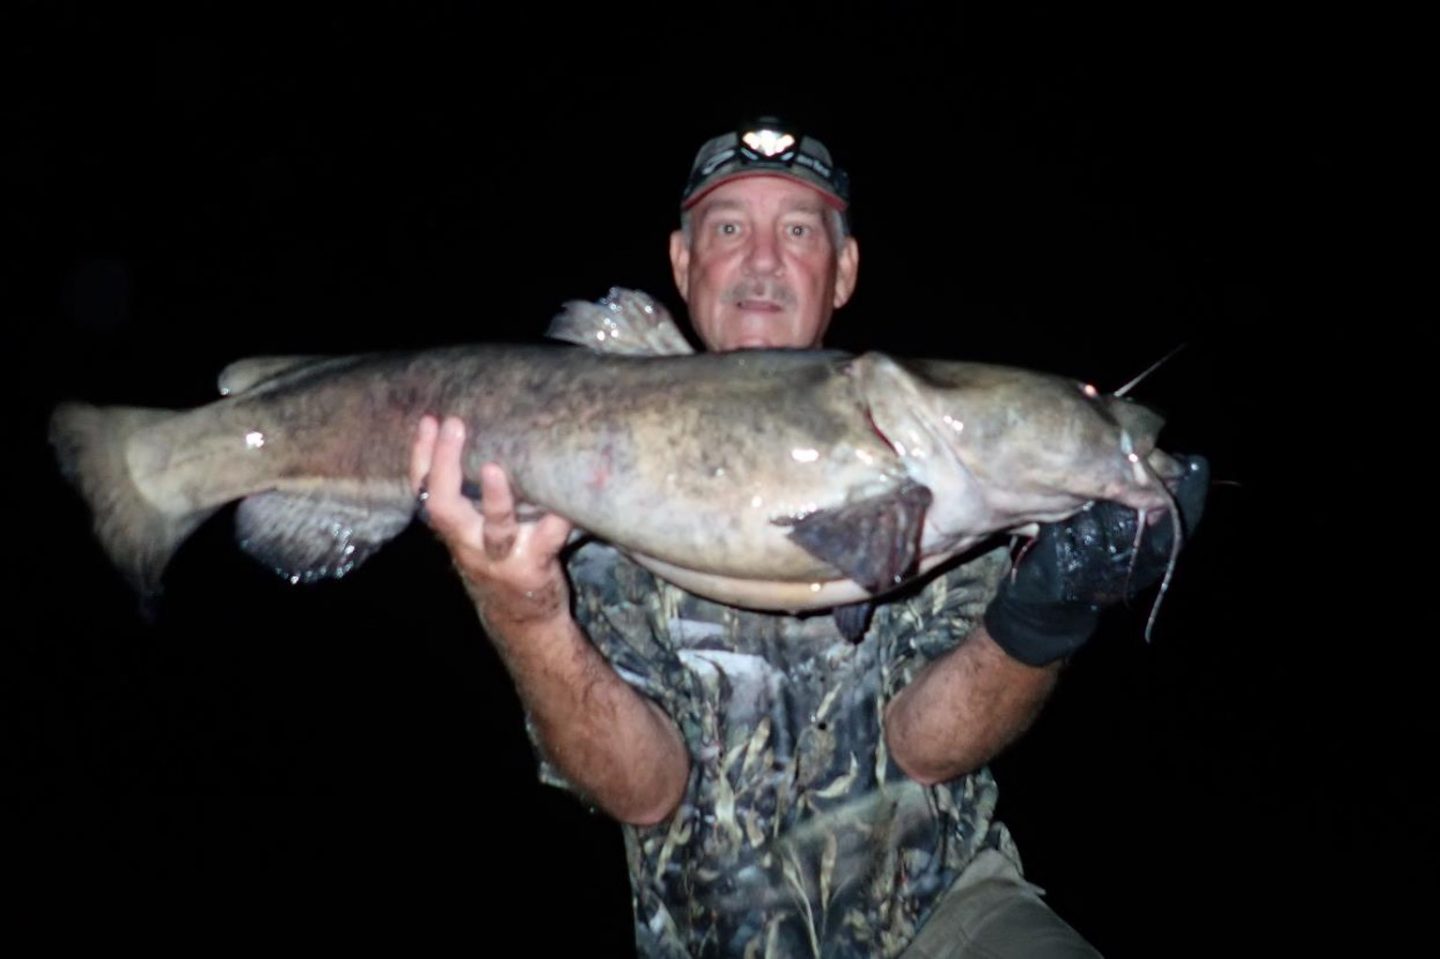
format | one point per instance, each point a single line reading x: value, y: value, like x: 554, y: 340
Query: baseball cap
x: 771, y: 147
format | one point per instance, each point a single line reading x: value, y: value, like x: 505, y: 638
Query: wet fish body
x: 785, y: 480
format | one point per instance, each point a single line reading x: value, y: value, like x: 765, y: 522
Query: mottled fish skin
x: 699, y: 466
x: 672, y: 456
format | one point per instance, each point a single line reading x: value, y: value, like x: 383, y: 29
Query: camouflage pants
x: 993, y: 913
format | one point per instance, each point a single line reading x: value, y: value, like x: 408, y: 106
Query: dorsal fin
x: 625, y: 322
x: 244, y: 374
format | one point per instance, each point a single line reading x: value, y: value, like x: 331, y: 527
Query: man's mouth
x: 759, y: 306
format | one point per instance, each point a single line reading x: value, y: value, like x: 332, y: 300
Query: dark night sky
x: 1066, y: 191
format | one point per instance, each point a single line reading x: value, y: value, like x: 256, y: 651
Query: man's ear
x: 680, y: 263
x: 847, y: 266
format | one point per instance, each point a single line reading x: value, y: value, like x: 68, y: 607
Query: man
x: 784, y: 791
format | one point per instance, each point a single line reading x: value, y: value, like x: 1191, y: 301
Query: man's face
x: 761, y: 269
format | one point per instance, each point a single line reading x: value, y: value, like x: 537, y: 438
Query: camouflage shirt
x: 797, y: 835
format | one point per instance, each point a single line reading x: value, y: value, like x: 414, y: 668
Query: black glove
x: 1051, y: 605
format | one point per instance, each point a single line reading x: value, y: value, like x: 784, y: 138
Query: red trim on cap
x: 830, y: 198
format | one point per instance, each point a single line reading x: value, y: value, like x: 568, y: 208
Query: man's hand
x: 1073, y: 569
x: 966, y: 706
x: 617, y: 747
x: 511, y: 569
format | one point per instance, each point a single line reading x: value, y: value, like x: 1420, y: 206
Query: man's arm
x: 963, y: 708
x: 614, y: 744
x: 967, y: 705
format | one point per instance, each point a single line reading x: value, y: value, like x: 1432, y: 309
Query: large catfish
x: 779, y: 479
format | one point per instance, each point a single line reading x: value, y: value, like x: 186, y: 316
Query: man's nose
x: 762, y: 257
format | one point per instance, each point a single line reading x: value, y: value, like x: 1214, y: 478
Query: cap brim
x: 783, y: 173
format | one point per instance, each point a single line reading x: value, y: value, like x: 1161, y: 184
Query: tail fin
x: 139, y: 537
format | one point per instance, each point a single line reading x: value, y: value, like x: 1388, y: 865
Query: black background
x: 1065, y: 190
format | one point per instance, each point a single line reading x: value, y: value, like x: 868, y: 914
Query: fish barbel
x: 773, y: 479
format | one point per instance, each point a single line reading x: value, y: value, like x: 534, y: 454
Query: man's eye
x: 799, y: 230
x: 727, y: 229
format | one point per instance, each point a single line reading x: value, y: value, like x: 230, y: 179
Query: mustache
x: 772, y: 291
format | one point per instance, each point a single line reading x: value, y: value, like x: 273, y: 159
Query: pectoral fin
x: 305, y: 537
x: 874, y: 541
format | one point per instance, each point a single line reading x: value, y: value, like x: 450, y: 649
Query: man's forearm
x: 613, y: 743
x: 609, y: 741
x: 963, y: 709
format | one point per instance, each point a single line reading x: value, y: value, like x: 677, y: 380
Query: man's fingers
x: 551, y: 532
x: 1193, y: 486
x: 445, y: 463
x: 497, y: 505
x: 437, y: 465
x: 422, y: 452
x: 451, y: 515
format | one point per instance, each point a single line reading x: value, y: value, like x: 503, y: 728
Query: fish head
x: 1140, y: 433
x: 997, y: 443
x: 908, y: 409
